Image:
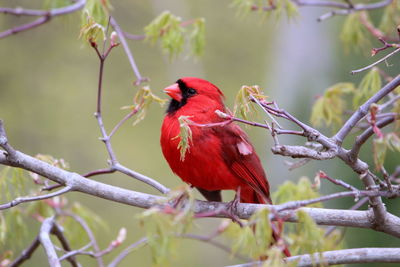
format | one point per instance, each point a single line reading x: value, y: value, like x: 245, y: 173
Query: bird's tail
x: 249, y: 195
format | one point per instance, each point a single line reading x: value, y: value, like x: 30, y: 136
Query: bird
x: 220, y: 156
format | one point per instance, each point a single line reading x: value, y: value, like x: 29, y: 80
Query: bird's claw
x: 232, y: 208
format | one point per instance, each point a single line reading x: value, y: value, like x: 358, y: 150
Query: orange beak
x: 174, y: 91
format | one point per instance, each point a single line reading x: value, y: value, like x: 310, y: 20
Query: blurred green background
x: 48, y: 83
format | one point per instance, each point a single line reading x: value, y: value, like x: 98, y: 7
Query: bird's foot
x: 232, y: 208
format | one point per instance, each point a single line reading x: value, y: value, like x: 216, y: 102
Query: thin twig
x: 114, y: 164
x: 362, y: 138
x: 364, y: 108
x: 389, y: 103
x: 355, y: 194
x: 128, y: 52
x: 297, y: 164
x: 45, y: 16
x: 126, y: 252
x: 81, y: 251
x: 119, y: 124
x: 26, y: 253
x: 58, y: 232
x: 135, y: 37
x: 99, y: 172
x: 376, y: 62
x: 386, y: 177
x: 90, y: 234
x: 323, y: 175
x: 143, y: 178
x: 265, y: 110
x: 20, y: 200
x: 352, y: 8
x: 340, y: 8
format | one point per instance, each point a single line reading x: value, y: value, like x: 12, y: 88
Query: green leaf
x: 163, y: 226
x: 243, y: 7
x: 306, y: 237
x: 142, y: 101
x: 173, y: 34
x: 243, y: 104
x: 16, y: 228
x: 166, y: 28
x: 393, y: 141
x: 329, y: 108
x: 379, y: 150
x: 185, y: 135
x: 354, y: 35
x: 396, y: 110
x: 255, y: 239
x: 262, y: 232
x: 197, y: 37
x: 369, y: 85
x: 275, y: 258
x: 381, y: 145
x: 243, y: 239
x: 13, y: 183
x: 3, y: 229
x: 94, y: 20
x: 291, y: 9
x: 91, y: 30
x: 310, y: 237
x: 390, y: 18
x: 99, y: 10
x: 290, y: 191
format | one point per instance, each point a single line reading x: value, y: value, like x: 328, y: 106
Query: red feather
x: 219, y: 157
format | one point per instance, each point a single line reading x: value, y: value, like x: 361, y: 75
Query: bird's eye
x: 191, y: 91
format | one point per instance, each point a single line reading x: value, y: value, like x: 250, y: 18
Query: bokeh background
x: 48, y: 83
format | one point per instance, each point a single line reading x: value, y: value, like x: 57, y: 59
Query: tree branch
x: 302, y: 152
x: 45, y: 16
x: 364, y: 108
x: 44, y: 237
x: 349, y: 256
x: 114, y: 164
x: 340, y: 8
x: 363, y: 219
x: 345, y: 256
x: 362, y: 138
x: 37, y: 12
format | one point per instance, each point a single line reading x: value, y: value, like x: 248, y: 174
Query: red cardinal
x: 219, y: 157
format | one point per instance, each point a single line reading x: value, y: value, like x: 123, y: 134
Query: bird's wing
x: 240, y: 155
